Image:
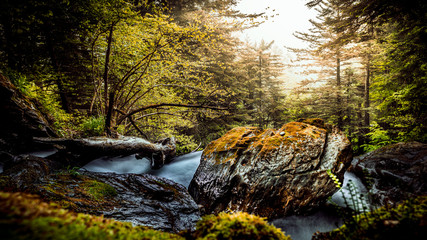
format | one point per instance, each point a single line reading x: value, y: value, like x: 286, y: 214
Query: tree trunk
x: 339, y: 100
x: 366, y: 94
x: 85, y: 150
x: 106, y: 66
x: 109, y: 114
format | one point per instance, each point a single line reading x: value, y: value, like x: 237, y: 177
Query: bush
x: 236, y: 226
x: 93, y: 126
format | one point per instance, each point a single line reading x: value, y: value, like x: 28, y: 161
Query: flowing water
x: 182, y: 169
x: 303, y: 227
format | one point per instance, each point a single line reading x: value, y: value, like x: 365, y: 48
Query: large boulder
x: 272, y: 172
x: 394, y: 173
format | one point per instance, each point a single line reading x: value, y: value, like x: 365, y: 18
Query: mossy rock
x: 79, y: 193
x: 271, y: 172
x: 24, y: 216
x: 238, y: 225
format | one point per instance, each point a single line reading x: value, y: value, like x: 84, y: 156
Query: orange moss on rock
x: 252, y: 139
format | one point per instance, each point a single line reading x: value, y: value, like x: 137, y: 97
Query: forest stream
x: 182, y: 169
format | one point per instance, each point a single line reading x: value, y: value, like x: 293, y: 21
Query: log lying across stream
x: 86, y: 149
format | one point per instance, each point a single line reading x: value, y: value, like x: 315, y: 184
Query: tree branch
x: 165, y: 104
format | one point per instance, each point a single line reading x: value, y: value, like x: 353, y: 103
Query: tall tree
x: 398, y: 76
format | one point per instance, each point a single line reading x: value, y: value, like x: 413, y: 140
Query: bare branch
x: 165, y: 104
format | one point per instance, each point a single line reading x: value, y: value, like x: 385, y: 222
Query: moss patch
x: 24, y: 216
x: 250, y: 139
x: 98, y: 190
x: 79, y: 193
x: 236, y: 226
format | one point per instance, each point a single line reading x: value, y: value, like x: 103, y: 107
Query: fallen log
x: 86, y: 149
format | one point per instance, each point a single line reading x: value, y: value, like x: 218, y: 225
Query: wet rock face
x: 151, y: 201
x: 25, y: 170
x: 142, y: 199
x: 395, y: 172
x: 272, y: 172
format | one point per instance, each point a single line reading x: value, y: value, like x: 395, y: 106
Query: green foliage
x: 73, y: 171
x: 236, y: 226
x: 19, y: 80
x: 185, y: 144
x: 25, y: 217
x: 337, y: 182
x: 379, y: 138
x: 99, y: 190
x: 92, y: 126
x: 406, y: 221
x: 46, y: 99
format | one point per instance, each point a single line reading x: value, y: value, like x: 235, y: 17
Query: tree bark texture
x: 87, y: 149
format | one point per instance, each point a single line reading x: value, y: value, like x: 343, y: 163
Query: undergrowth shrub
x: 93, y: 126
x: 47, y: 100
x: 238, y: 225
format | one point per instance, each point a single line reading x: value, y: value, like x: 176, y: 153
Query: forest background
x: 176, y: 68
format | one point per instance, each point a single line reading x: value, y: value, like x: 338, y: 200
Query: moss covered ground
x: 237, y: 226
x: 24, y: 216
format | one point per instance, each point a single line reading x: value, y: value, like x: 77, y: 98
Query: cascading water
x: 349, y: 196
x: 182, y: 169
